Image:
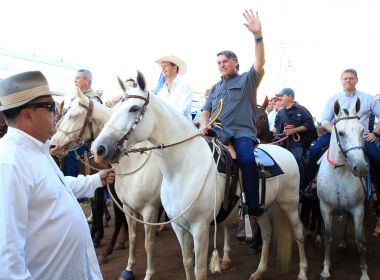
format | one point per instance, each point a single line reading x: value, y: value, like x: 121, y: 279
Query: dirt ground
x: 168, y: 259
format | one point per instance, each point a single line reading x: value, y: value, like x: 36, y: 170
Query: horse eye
x: 134, y: 109
x: 341, y: 133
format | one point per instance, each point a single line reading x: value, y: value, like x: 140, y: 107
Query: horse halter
x: 87, y: 123
x: 137, y: 121
x: 345, y: 151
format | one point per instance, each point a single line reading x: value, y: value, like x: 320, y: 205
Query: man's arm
x: 203, y: 121
x: 328, y: 114
x: 254, y: 25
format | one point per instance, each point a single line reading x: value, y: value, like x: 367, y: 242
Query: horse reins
x: 138, y: 119
x: 344, y: 151
x: 86, y: 124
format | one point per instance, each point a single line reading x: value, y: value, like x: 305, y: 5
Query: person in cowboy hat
x: 175, y: 91
x: 44, y: 233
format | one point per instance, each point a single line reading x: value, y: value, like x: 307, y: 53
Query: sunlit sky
x: 308, y: 43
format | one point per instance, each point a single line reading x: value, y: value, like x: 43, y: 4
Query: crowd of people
x: 44, y: 232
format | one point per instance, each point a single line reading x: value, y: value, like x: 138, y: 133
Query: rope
x: 134, y: 218
x: 296, y: 136
x: 156, y: 224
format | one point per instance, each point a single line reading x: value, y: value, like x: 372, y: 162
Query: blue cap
x: 287, y: 91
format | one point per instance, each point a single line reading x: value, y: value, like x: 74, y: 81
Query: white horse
x: 192, y: 189
x: 137, y: 183
x: 338, y: 182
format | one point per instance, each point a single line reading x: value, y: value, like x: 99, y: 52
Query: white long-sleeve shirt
x: 43, y: 230
x: 180, y: 96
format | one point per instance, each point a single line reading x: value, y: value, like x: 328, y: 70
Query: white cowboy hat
x: 19, y: 89
x: 182, y: 68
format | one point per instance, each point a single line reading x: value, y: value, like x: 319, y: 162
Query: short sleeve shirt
x: 237, y: 116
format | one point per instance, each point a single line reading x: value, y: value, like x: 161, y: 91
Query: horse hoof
x: 342, y: 245
x: 126, y: 275
x: 324, y: 276
x: 318, y: 242
x: 102, y: 259
x: 119, y: 246
x: 225, y: 265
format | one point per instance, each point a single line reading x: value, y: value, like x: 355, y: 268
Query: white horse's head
x: 347, y: 138
x: 82, y: 122
x: 124, y: 128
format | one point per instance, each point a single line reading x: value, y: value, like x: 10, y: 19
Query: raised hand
x: 253, y: 23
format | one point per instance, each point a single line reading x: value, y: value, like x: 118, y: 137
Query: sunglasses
x: 50, y: 106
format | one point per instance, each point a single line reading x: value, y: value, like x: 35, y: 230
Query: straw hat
x: 182, y: 68
x: 19, y: 89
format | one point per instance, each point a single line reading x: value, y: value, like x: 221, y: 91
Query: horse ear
x: 336, y: 107
x: 121, y: 84
x: 266, y: 101
x: 357, y: 105
x: 61, y: 105
x: 80, y: 95
x: 141, y: 80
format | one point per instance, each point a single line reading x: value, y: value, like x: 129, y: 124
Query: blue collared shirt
x: 237, y: 117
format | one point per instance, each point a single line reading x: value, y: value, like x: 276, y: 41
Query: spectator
x: 44, y: 233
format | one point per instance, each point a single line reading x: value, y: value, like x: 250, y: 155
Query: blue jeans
x: 298, y: 153
x: 371, y: 150
x: 373, y: 154
x: 245, y: 158
x: 314, y: 154
x: 71, y: 166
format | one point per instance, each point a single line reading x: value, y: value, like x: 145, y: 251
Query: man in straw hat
x: 44, y: 233
x: 175, y: 91
x: 237, y: 118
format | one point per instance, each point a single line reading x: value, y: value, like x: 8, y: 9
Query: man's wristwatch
x: 376, y: 134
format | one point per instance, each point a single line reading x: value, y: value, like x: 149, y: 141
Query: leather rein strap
x: 139, y: 118
x: 344, y: 151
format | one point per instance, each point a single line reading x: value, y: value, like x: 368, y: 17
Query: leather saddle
x: 225, y: 157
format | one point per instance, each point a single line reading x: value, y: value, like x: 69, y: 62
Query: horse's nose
x: 360, y: 171
x: 53, y: 149
x: 101, y: 151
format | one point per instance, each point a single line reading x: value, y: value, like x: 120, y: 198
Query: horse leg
x: 344, y: 241
x: 296, y: 225
x: 226, y: 261
x: 266, y: 234
x: 132, y: 230
x: 119, y: 217
x: 316, y: 221
x: 376, y: 201
x: 150, y: 237
x: 306, y: 208
x: 327, y: 217
x: 358, y: 217
x: 201, y: 242
x: 186, y: 242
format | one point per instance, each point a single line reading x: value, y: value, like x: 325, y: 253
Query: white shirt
x: 43, y: 230
x: 180, y: 96
x: 271, y: 119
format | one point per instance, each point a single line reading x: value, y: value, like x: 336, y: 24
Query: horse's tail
x: 282, y: 238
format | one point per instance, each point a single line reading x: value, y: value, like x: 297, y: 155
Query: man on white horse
x: 237, y: 117
x: 347, y: 100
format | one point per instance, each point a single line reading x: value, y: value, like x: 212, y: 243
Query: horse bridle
x: 137, y: 121
x: 345, y: 151
x: 86, y: 124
